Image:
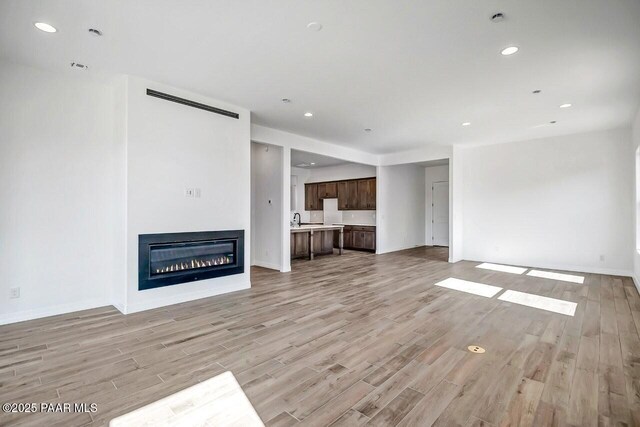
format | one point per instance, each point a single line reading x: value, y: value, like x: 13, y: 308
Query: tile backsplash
x: 331, y: 215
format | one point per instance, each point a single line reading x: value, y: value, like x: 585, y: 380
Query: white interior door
x: 440, y: 214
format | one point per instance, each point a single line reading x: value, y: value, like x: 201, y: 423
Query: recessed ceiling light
x: 367, y: 130
x: 565, y: 106
x: 509, y: 50
x: 43, y: 26
x: 286, y: 100
x: 466, y: 124
x: 314, y: 26
x: 308, y: 114
x: 313, y: 163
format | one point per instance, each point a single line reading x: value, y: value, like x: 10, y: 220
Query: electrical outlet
x: 188, y: 192
x: 15, y: 292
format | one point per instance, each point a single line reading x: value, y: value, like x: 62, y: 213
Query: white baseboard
x: 21, y: 316
x: 266, y: 264
x: 149, y: 304
x: 636, y: 282
x: 120, y: 307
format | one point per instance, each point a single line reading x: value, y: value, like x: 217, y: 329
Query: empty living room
x: 319, y: 213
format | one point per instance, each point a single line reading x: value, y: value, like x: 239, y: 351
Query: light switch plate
x: 188, y: 192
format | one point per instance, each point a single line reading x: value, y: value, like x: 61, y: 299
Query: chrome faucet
x: 294, y: 218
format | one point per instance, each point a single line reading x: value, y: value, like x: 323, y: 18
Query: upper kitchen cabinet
x: 367, y: 194
x: 352, y: 194
x: 327, y: 190
x: 312, y: 202
x: 347, y: 195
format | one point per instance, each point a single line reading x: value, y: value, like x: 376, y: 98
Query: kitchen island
x: 315, y: 239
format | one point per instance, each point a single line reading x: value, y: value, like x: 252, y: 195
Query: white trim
x: 177, y: 299
x: 269, y: 265
x: 119, y: 307
x: 561, y: 267
x: 636, y: 282
x: 55, y: 310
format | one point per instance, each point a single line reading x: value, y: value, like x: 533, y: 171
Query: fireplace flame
x: 194, y: 264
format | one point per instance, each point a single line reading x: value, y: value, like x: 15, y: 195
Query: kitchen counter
x: 316, y: 227
x: 357, y: 225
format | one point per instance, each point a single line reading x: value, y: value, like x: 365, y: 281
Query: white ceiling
x: 413, y: 71
x: 320, y: 161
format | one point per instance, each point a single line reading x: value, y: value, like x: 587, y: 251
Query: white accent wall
x: 560, y: 202
x: 400, y: 207
x: 58, y: 189
x: 636, y: 232
x: 171, y: 147
x: 266, y: 205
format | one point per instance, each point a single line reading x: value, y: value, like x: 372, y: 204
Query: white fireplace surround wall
x: 89, y: 164
x: 171, y: 147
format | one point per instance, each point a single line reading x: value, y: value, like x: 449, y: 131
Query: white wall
x: 266, y: 205
x: 557, y: 202
x: 401, y: 207
x: 636, y: 231
x: 171, y: 147
x: 341, y: 172
x: 58, y: 192
x: 432, y: 174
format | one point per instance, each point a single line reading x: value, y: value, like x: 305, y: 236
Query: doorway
x: 440, y: 213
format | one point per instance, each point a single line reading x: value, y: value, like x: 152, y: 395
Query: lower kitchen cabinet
x: 359, y: 237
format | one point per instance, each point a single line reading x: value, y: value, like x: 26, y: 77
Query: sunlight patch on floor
x: 501, y: 268
x: 469, y: 287
x: 567, y: 308
x: 556, y: 276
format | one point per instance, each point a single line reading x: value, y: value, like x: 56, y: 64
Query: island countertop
x: 316, y: 227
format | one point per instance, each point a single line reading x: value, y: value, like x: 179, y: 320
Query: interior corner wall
x: 172, y: 147
x: 560, y: 202
x: 266, y: 205
x: 635, y: 155
x: 400, y: 207
x: 58, y: 164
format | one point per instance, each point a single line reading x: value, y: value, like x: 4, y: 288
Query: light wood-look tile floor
x: 357, y: 339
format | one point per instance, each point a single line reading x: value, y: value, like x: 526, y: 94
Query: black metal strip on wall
x: 193, y: 104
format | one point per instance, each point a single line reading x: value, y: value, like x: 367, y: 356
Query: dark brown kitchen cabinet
x: 367, y: 194
x: 346, y: 238
x: 359, y: 237
x: 311, y: 200
x: 347, y: 195
x: 322, y: 243
x: 299, y: 245
x: 327, y: 190
x: 352, y: 194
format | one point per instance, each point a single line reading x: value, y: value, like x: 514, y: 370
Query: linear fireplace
x: 173, y: 258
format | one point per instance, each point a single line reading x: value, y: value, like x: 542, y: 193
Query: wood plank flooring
x: 351, y: 340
